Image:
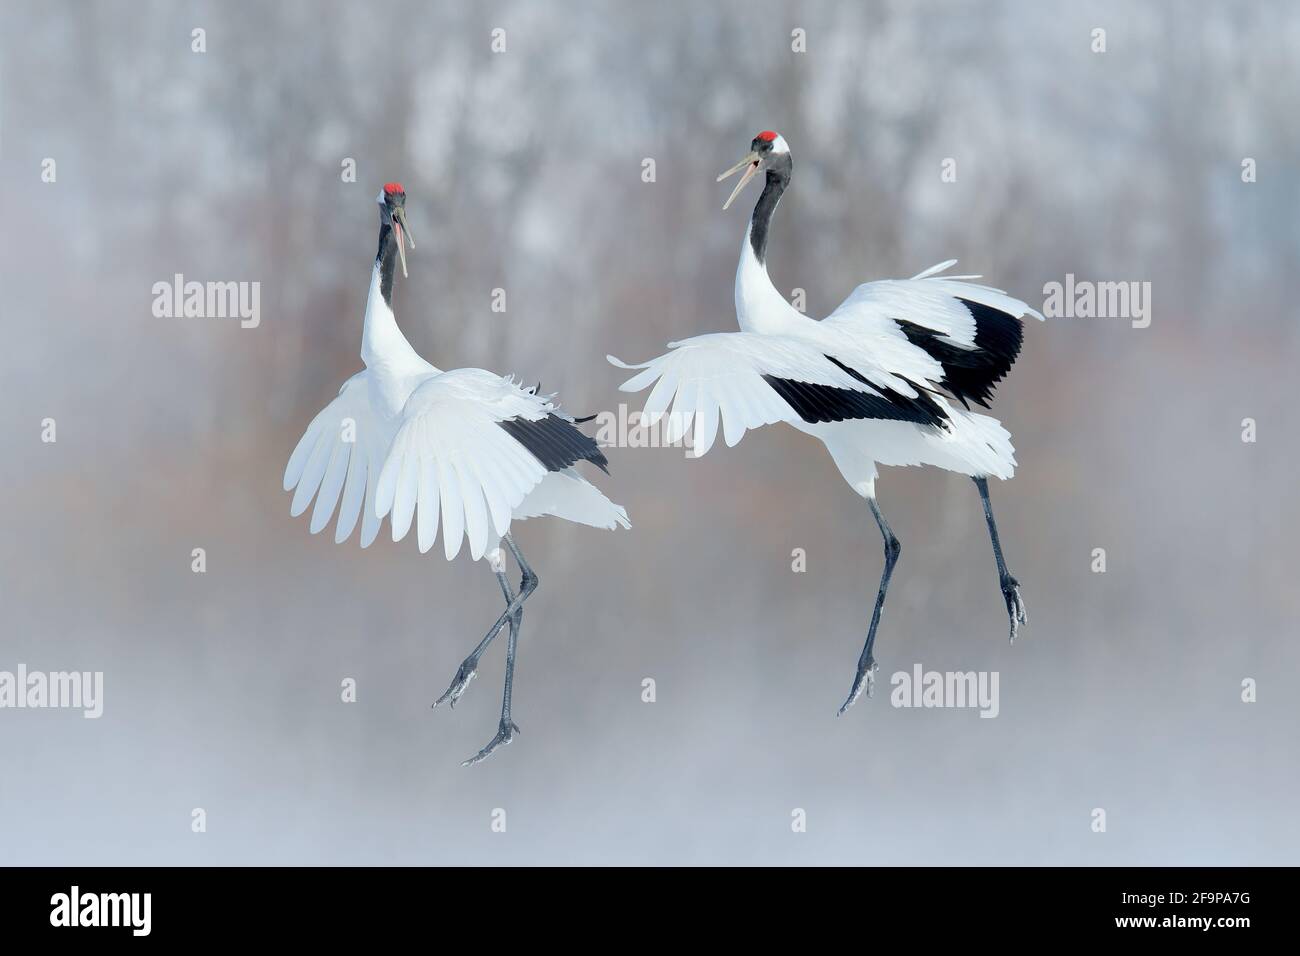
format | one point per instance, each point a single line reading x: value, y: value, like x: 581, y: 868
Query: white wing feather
x: 719, y: 378
x: 928, y: 300
x: 451, y: 462
x: 341, y: 453
x: 566, y: 494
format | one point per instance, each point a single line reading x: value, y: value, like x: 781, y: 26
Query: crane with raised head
x: 465, y: 450
x: 885, y: 379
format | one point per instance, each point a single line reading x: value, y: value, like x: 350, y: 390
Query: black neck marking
x: 385, y: 258
x: 778, y: 177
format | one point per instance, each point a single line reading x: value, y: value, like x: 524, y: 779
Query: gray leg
x: 1010, y: 586
x: 514, y: 607
x: 527, y: 585
x: 507, y: 728
x: 866, y: 675
x: 468, y: 669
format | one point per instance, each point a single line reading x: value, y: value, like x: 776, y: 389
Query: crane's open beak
x: 752, y: 161
x: 403, y: 232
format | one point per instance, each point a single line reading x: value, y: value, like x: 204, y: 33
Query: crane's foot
x: 1015, y: 605
x: 505, y: 734
x: 865, y: 679
x: 464, y: 674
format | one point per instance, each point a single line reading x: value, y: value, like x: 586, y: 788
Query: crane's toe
x: 464, y: 674
x: 1015, y: 605
x: 505, y: 734
x: 865, y: 679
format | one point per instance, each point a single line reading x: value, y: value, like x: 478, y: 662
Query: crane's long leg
x: 507, y: 729
x: 514, y: 605
x: 866, y: 675
x: 1010, y: 586
x: 469, y: 666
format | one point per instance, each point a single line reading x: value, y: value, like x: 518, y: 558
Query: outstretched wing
x: 944, y: 331
x: 341, y: 454
x: 745, y: 380
x: 470, y: 448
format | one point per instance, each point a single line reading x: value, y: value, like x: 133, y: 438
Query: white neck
x: 383, y: 346
x: 759, y: 306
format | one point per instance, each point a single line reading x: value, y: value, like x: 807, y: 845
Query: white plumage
x: 439, y: 454
x: 342, y: 450
x: 449, y: 456
x: 403, y: 434
x: 884, y: 379
x: 464, y: 452
x: 719, y: 376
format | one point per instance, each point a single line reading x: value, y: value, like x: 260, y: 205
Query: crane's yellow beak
x: 403, y: 232
x: 753, y: 162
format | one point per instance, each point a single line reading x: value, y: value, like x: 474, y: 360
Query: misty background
x: 524, y: 172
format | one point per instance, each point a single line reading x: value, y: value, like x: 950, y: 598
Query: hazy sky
x: 997, y: 134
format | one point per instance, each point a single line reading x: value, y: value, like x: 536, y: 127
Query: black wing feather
x: 556, y: 442
x: 826, y: 403
x: 973, y: 373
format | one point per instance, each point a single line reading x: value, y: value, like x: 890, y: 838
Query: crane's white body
x: 719, y: 376
x: 403, y: 436
x: 871, y: 380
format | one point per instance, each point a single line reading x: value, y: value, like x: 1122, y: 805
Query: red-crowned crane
x: 466, y: 449
x: 879, y: 380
